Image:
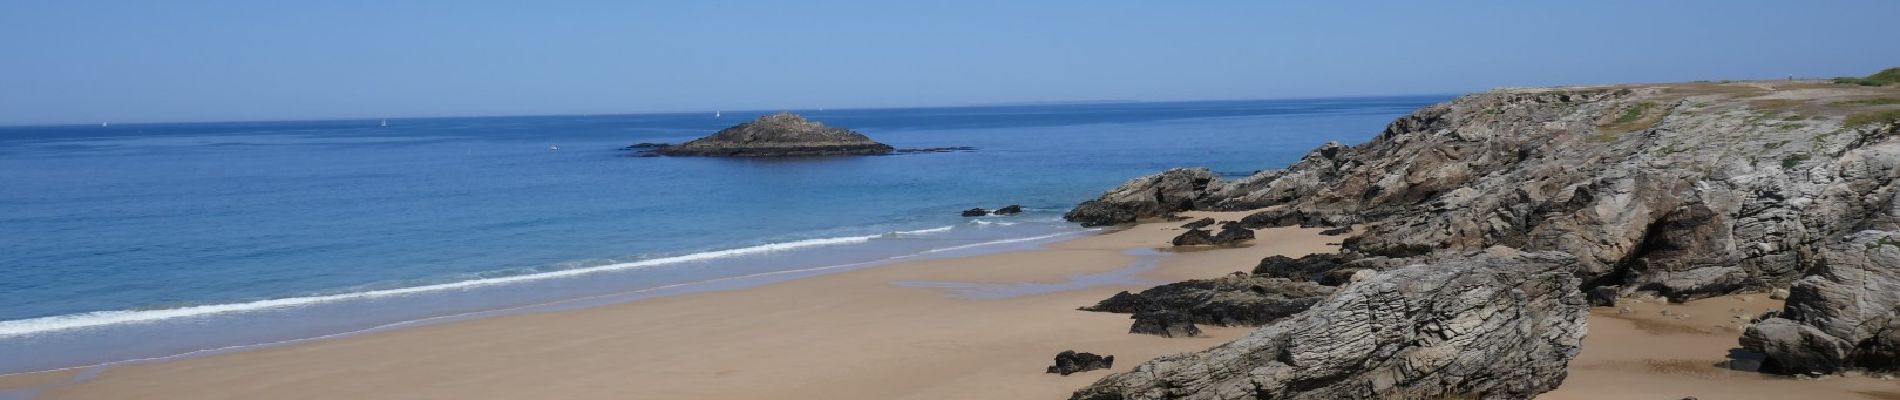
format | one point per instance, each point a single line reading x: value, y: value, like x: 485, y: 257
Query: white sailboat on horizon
x: 715, y: 114
x: 385, y: 123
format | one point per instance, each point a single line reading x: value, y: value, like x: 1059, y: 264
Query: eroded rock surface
x: 1844, y: 315
x: 1689, y: 190
x: 1488, y: 326
x: 1144, y: 197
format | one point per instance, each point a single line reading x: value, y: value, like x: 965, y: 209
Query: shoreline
x: 534, y: 292
x: 1055, y: 263
x: 877, y: 333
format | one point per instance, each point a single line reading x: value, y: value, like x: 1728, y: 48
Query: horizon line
x: 741, y: 110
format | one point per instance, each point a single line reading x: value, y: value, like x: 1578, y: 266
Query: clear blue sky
x: 89, y: 61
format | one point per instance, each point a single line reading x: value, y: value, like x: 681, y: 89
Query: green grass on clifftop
x: 1866, y: 102
x: 1872, y: 118
x: 1884, y: 77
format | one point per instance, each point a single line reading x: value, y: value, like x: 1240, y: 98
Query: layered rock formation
x: 1844, y: 315
x: 1688, y: 189
x: 779, y: 135
x: 1495, y: 326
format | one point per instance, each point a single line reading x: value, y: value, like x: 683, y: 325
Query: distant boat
x: 715, y: 114
x: 385, y: 123
x: 553, y: 147
x: 104, y: 124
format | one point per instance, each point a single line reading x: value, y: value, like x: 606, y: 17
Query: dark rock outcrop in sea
x: 975, y: 212
x: 933, y: 150
x: 1069, y: 362
x: 1012, y: 209
x: 779, y: 135
x: 1491, y: 326
x: 1234, y: 300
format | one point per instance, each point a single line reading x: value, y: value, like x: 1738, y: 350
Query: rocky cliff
x: 1687, y: 190
x: 779, y: 135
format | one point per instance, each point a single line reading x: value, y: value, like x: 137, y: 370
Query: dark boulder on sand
x: 1236, y: 300
x: 1202, y: 223
x: 1163, y: 323
x: 1230, y: 234
x: 1069, y: 362
x: 780, y: 135
x: 1194, y: 237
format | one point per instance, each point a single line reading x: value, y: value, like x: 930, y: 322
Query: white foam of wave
x: 101, y: 318
x: 997, y: 223
x: 939, y: 229
x: 472, y: 314
x: 997, y: 242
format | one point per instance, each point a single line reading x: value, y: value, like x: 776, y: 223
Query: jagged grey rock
x: 1144, y: 197
x: 1845, y: 314
x: 1489, y: 326
x: 1689, y: 190
x: 779, y: 135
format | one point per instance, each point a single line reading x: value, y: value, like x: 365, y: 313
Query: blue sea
x: 134, y: 241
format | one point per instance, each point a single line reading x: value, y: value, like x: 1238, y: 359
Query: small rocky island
x: 779, y: 135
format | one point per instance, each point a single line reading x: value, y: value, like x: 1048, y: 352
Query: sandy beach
x: 851, y: 335
x: 901, y: 331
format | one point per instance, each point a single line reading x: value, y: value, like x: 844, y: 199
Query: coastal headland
x: 1711, y: 239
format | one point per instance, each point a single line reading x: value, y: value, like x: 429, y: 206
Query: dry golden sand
x: 1646, y: 354
x: 856, y: 335
x: 850, y: 335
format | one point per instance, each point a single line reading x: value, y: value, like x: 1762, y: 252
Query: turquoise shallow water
x: 141, y: 240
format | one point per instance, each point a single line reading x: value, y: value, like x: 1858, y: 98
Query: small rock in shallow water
x: 1009, y: 210
x: 1069, y: 362
x: 975, y: 212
